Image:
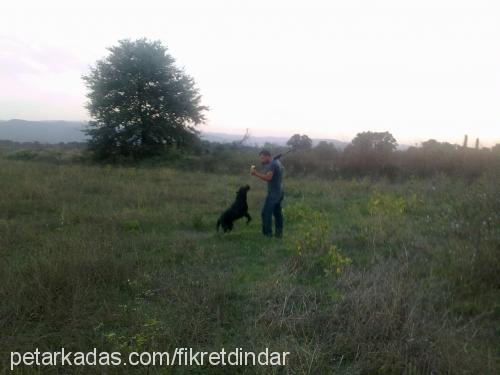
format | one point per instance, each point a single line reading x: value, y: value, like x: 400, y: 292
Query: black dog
x: 237, y: 210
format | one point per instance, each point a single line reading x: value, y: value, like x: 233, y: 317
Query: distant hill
x: 42, y: 131
x: 71, y: 131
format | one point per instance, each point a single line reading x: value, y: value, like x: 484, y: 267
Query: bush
x: 311, y: 243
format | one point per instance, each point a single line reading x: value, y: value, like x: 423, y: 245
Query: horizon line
x: 490, y: 142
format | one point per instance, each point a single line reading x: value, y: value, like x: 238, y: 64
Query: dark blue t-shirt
x: 275, y: 186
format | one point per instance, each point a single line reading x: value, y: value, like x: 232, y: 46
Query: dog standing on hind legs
x: 237, y: 210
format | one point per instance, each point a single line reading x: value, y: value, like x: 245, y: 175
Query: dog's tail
x: 218, y: 225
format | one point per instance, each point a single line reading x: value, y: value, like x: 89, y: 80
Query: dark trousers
x: 272, y: 207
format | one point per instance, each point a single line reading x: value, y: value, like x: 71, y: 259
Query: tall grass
x: 126, y: 258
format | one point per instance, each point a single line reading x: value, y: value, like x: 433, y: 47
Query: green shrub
x: 311, y: 243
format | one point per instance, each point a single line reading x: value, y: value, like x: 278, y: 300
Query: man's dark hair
x: 265, y: 153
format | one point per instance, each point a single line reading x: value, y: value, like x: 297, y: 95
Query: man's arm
x: 263, y: 176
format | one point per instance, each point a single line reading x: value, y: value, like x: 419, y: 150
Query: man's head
x: 265, y: 157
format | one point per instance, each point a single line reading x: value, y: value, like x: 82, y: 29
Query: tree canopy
x: 299, y: 142
x: 374, y: 141
x: 141, y: 102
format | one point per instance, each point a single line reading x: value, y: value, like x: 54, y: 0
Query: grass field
x: 371, y: 277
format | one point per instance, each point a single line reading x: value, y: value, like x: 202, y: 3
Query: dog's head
x: 243, y: 190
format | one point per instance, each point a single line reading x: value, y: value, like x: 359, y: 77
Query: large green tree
x: 141, y: 102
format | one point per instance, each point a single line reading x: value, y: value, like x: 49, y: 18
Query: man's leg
x: 267, y: 217
x: 278, y: 218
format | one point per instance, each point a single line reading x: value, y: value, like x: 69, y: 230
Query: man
x: 273, y: 175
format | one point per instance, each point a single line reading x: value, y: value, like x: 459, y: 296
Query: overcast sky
x: 419, y: 69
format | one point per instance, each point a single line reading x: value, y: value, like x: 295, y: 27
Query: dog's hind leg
x: 218, y: 225
x: 249, y: 218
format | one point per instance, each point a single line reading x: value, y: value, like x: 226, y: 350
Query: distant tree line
x: 369, y: 154
x: 375, y: 154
